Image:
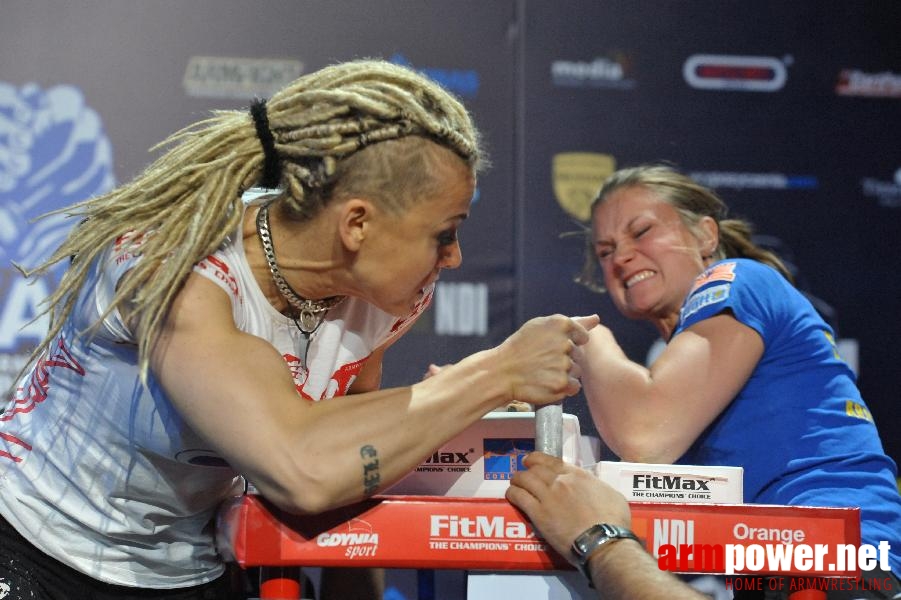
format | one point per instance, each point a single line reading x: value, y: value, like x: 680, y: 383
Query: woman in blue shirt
x: 750, y: 375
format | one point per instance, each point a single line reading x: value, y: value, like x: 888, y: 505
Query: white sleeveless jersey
x: 101, y: 472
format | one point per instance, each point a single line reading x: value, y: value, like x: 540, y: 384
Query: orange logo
x: 723, y: 272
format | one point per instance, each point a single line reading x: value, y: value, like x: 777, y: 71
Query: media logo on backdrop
x: 726, y: 72
x: 53, y: 152
x: 887, y: 193
x: 577, y: 177
x: 854, y: 82
x: 612, y: 72
x: 463, y: 82
x: 240, y: 78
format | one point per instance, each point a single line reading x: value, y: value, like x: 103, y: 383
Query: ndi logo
x: 461, y: 308
x: 53, y: 152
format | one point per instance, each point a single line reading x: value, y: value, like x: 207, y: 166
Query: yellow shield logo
x: 577, y: 177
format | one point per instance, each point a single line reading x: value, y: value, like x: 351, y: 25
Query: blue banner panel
x: 791, y: 111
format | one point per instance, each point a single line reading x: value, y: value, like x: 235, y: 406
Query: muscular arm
x: 235, y: 390
x: 654, y: 414
x: 624, y: 570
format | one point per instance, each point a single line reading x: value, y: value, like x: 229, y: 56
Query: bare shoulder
x: 200, y: 303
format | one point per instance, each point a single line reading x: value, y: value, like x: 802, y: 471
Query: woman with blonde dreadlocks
x: 198, y: 335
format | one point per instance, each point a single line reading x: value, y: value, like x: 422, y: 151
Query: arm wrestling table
x: 431, y: 532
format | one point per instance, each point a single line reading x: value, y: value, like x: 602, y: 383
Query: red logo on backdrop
x: 734, y: 73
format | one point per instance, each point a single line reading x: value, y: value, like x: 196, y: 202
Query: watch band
x: 593, y: 538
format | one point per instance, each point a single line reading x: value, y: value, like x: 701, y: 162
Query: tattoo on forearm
x: 371, y: 476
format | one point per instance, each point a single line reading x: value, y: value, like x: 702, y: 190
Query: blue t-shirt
x: 799, y: 426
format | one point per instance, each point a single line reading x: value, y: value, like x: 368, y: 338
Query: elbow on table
x: 307, y: 502
x: 303, y: 491
x: 645, y: 447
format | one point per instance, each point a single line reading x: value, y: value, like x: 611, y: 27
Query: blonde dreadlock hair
x: 693, y: 202
x: 185, y: 204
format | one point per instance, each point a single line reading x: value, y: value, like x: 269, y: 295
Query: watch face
x: 587, y: 541
x: 594, y: 536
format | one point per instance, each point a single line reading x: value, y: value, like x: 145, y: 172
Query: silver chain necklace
x: 309, y: 314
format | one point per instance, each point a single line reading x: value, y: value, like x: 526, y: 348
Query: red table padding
x: 427, y: 532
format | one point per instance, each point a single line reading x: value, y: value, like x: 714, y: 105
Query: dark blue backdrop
x: 791, y: 110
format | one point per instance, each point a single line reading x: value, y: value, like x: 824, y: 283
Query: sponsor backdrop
x: 791, y: 111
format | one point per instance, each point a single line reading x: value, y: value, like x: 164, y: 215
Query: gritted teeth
x: 641, y: 276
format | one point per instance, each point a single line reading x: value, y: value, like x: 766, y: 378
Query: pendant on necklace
x: 308, y: 321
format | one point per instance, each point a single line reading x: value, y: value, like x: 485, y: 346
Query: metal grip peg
x: 549, y: 429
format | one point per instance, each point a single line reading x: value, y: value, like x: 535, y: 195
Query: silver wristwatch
x: 593, y: 538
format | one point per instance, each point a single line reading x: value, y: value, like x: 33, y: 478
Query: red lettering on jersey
x: 128, y: 240
x: 14, y: 440
x: 64, y: 358
x: 418, y: 309
x: 722, y: 272
x: 218, y: 263
x: 126, y: 245
x: 343, y: 378
x: 339, y: 383
x: 299, y: 374
x: 222, y: 273
x: 36, y: 391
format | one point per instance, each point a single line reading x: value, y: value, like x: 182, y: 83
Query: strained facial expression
x: 648, y: 256
x: 406, y: 252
